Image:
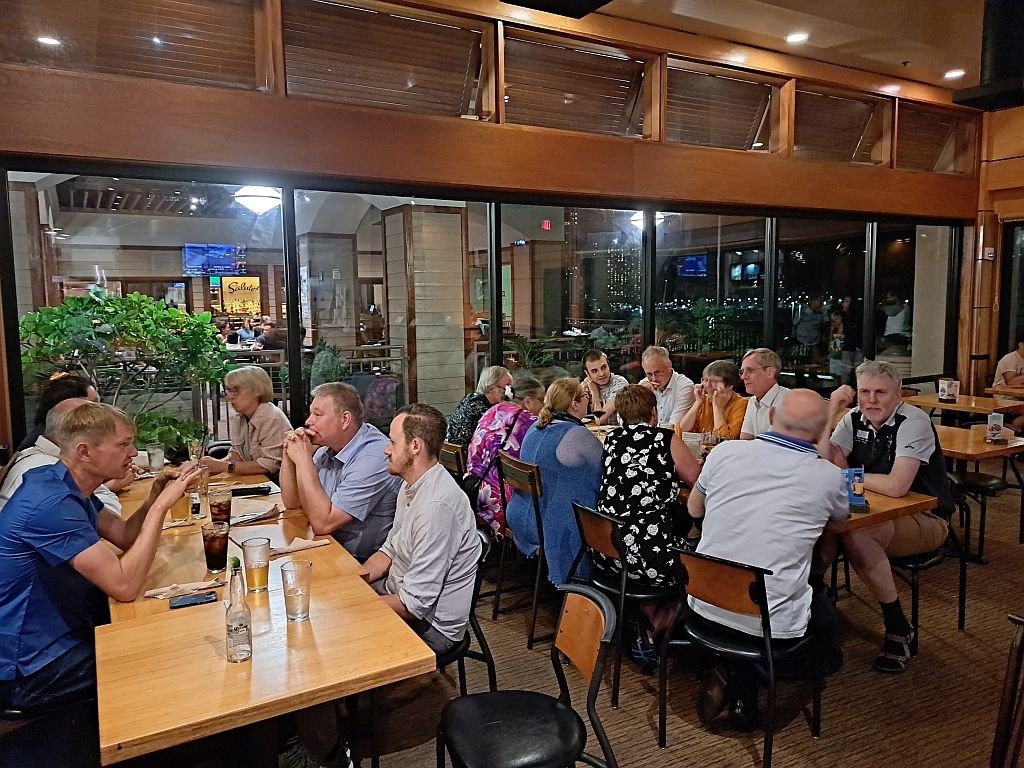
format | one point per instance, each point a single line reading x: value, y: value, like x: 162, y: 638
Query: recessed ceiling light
x: 954, y: 74
x: 890, y: 89
x: 795, y: 38
x: 48, y: 40
x: 157, y: 40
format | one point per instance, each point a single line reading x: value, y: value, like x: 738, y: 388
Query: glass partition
x: 708, y: 287
x: 149, y: 289
x: 819, y: 311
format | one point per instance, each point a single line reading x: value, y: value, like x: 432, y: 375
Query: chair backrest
x: 453, y: 458
x: 727, y: 584
x: 598, y: 531
x: 1006, y: 746
x: 521, y: 475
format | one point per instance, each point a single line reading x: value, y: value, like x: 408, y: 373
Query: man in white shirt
x: 672, y: 390
x: 1010, y: 373
x: 760, y: 374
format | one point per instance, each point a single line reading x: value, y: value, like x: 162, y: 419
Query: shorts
x: 915, y: 534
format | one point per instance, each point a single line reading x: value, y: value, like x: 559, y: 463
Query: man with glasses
x: 760, y: 374
x: 672, y: 390
x: 334, y: 467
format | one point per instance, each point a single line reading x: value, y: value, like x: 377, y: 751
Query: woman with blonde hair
x: 257, y: 426
x: 569, y: 458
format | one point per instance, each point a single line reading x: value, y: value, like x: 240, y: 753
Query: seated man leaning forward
x: 672, y: 390
x: 335, y: 469
x: 897, y: 446
x: 55, y: 572
x: 602, y: 385
x: 759, y: 371
x: 765, y: 502
x: 427, y: 567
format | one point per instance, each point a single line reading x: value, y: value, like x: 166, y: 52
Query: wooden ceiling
x: 91, y: 194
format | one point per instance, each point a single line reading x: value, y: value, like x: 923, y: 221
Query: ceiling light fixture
x: 157, y: 40
x: 637, y: 219
x: 890, y: 89
x: 954, y: 74
x: 48, y: 40
x: 259, y: 200
x: 796, y: 38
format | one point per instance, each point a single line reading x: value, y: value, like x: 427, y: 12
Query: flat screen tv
x: 752, y: 271
x: 736, y: 272
x: 695, y: 265
x: 212, y: 259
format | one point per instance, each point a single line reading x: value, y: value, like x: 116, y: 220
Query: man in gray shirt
x: 427, y: 567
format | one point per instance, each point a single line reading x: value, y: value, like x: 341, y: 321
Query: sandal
x: 895, y: 653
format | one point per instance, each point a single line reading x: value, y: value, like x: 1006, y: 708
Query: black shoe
x: 713, y: 696
x: 743, y: 713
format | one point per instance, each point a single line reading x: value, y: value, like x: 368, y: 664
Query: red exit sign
x: 545, y: 224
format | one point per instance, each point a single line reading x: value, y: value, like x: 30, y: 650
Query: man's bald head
x: 57, y: 414
x: 803, y: 414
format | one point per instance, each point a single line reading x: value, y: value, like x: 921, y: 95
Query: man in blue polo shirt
x: 55, y: 573
x: 335, y: 469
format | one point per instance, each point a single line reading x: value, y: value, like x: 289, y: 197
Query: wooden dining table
x: 966, y: 404
x: 162, y: 675
x: 882, y: 509
x: 1006, y: 391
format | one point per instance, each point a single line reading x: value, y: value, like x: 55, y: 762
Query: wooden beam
x: 269, y: 47
x: 783, y: 117
x: 654, y: 96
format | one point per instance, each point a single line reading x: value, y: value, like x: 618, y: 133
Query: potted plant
x: 706, y: 324
x: 534, y: 356
x: 141, y: 355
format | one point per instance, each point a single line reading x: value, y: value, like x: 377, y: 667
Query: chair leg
x: 439, y: 742
x: 501, y: 580
x: 620, y: 632
x: 819, y: 659
x: 536, y: 600
x: 915, y: 583
x: 461, y: 663
x: 981, y: 526
x: 769, y: 728
x: 663, y: 694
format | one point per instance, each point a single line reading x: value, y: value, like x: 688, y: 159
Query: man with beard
x: 602, y: 385
x: 335, y: 469
x: 427, y: 567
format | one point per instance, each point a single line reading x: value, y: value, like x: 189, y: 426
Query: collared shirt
x: 46, y: 606
x: 434, y: 551
x: 1011, y: 363
x: 674, y: 400
x: 43, y: 454
x: 907, y: 433
x: 757, y: 419
x: 260, y: 437
x: 358, y: 482
x: 767, y: 502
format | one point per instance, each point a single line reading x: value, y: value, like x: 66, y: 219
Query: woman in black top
x: 490, y: 390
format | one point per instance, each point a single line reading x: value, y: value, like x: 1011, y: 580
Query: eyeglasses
x: 750, y: 370
x: 233, y: 390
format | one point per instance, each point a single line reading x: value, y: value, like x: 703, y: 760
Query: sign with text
x: 241, y: 295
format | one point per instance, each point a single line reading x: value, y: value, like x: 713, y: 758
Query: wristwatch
x: 231, y: 467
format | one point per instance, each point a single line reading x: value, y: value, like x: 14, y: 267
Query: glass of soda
x: 220, y: 504
x: 215, y: 546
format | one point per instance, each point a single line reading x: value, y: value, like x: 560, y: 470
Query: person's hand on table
x: 216, y: 466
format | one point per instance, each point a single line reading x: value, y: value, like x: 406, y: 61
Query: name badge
x: 862, y: 434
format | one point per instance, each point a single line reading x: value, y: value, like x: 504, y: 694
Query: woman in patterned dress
x: 491, y: 432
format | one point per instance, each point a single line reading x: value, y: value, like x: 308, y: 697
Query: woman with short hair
x: 716, y: 407
x: 490, y: 390
x: 257, y: 426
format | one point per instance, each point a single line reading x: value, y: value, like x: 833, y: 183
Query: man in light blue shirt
x: 335, y: 469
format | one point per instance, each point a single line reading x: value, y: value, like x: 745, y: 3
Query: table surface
x: 162, y: 675
x: 1006, y: 391
x: 970, y: 445
x: 967, y: 404
x: 881, y: 509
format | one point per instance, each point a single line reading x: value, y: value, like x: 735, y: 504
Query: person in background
x: 334, y: 467
x: 52, y: 392
x: 569, y: 457
x: 245, y: 331
x: 643, y: 465
x: 672, y: 390
x: 845, y: 347
x: 896, y: 316
x: 493, y: 385
x: 765, y: 502
x: 502, y: 427
x: 760, y: 373
x: 272, y: 337
x: 716, y: 408
x: 257, y: 426
x: 808, y: 325
x: 602, y: 385
x: 1010, y: 373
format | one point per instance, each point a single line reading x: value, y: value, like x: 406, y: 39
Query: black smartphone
x: 201, y: 598
x: 252, y: 490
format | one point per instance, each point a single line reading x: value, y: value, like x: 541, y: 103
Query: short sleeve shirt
x: 260, y: 438
x: 757, y: 419
x: 358, y: 483
x: 45, y: 604
x: 1011, y: 363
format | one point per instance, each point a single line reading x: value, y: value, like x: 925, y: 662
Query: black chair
x: 738, y: 588
x: 979, y: 486
x: 453, y: 458
x: 525, y: 478
x: 601, y: 533
x: 1009, y: 735
x: 462, y: 650
x: 218, y: 449
x: 511, y: 729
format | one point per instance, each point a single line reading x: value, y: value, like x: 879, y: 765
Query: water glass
x: 256, y: 558
x: 215, y: 546
x: 155, y: 452
x: 296, y: 576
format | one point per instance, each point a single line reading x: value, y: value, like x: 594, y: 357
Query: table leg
x: 1020, y: 486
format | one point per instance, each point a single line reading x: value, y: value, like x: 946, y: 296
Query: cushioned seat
x: 636, y: 591
x: 523, y: 729
x: 729, y: 642
x: 980, y: 482
x: 919, y: 561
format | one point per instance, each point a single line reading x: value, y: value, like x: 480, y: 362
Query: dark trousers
x: 67, y: 679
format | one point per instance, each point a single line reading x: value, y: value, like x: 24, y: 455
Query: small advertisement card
x: 854, y: 477
x: 994, y: 432
x: 949, y: 390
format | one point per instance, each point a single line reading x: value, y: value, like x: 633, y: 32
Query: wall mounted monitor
x: 199, y: 259
x: 752, y: 271
x: 693, y: 265
x: 736, y: 272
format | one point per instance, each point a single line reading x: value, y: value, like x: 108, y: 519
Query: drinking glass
x: 180, y: 509
x: 215, y: 546
x: 195, y: 449
x: 256, y: 557
x: 201, y: 493
x: 296, y: 576
x: 155, y: 452
x: 220, y: 504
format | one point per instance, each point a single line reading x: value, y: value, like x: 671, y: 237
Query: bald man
x: 765, y: 502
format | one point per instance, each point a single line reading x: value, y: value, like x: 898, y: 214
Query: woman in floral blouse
x: 501, y: 427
